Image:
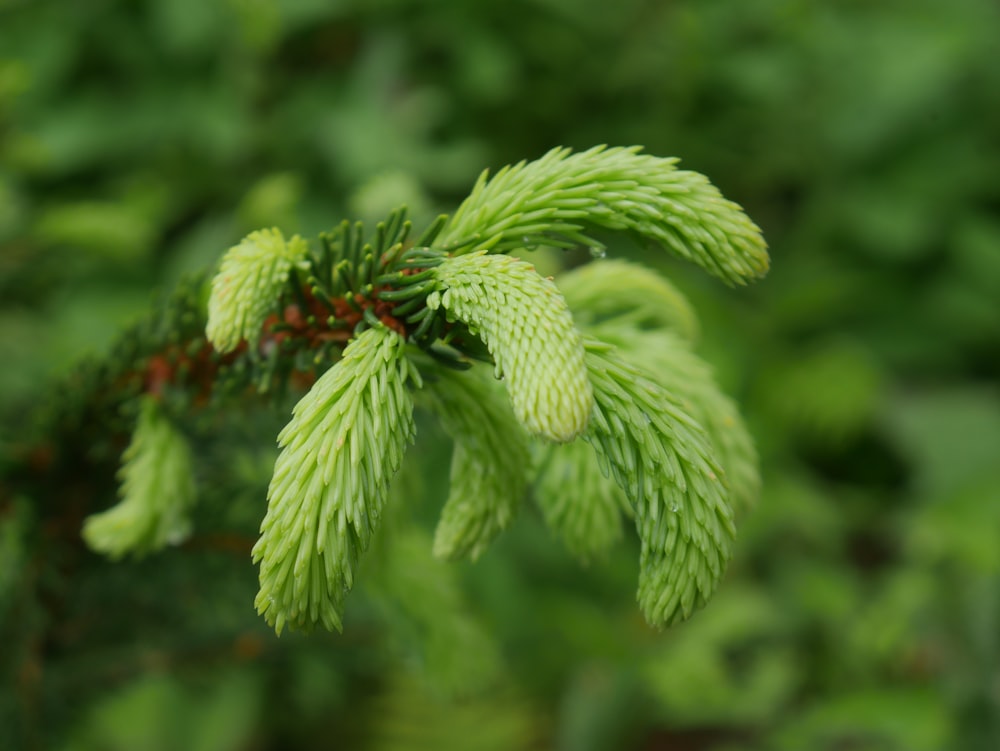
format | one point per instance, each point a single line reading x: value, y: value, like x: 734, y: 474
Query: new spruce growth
x: 157, y: 490
x: 583, y: 392
x: 527, y: 327
x: 253, y: 273
x: 344, y: 443
x: 490, y: 460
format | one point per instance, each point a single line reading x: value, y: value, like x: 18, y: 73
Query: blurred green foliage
x: 139, y: 139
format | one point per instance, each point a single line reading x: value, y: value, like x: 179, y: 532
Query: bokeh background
x: 139, y: 139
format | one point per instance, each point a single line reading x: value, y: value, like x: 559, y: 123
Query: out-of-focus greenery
x: 139, y: 139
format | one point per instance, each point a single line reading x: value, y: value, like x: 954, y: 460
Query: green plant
x: 374, y: 325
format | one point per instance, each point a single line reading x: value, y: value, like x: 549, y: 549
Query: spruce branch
x: 157, y: 490
x: 561, y: 198
x: 490, y: 459
x: 663, y: 460
x: 345, y: 441
x: 527, y: 327
x: 354, y: 320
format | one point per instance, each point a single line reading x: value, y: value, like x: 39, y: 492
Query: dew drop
x: 596, y: 251
x: 674, y: 508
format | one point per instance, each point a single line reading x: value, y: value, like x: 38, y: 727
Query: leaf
x: 157, y: 491
x: 406, y: 716
x: 344, y: 443
x: 490, y: 460
x: 871, y: 718
x: 827, y: 393
x: 663, y: 460
x: 557, y: 199
x: 160, y: 712
x: 949, y: 436
x: 425, y: 607
x: 109, y: 229
x: 524, y: 322
x: 959, y: 528
x: 694, y: 678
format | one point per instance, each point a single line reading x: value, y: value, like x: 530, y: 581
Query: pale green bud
x: 525, y: 323
x: 559, y: 198
x: 626, y: 294
x: 662, y: 459
x: 689, y: 379
x: 249, y: 283
x: 157, y: 491
x: 580, y: 504
x: 344, y: 443
x: 489, y: 464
